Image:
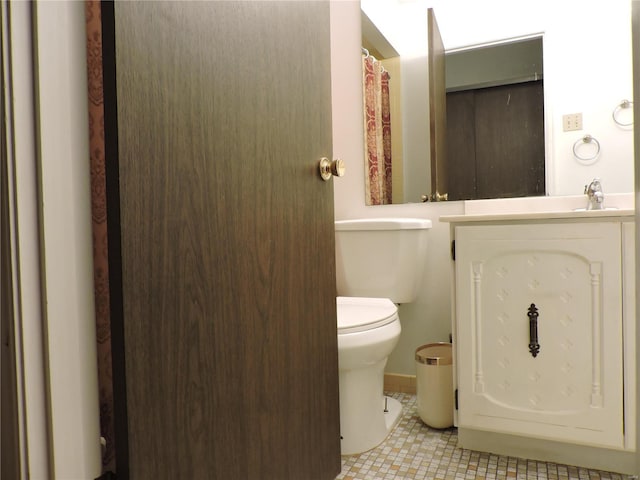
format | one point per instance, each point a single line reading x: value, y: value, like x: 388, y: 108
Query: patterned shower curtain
x: 99, y: 214
x: 377, y: 121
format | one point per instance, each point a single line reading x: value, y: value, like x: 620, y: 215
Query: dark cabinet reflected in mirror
x: 495, y: 121
x: 489, y: 140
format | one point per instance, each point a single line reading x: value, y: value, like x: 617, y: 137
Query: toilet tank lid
x: 383, y: 224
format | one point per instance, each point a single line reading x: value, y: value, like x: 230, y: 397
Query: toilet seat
x: 359, y: 314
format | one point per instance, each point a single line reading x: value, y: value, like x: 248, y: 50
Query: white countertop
x: 543, y: 208
x: 573, y: 215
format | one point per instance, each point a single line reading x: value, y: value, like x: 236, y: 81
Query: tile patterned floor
x: 414, y: 451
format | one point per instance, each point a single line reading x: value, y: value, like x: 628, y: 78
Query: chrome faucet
x: 595, y: 195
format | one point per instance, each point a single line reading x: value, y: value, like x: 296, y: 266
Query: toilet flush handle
x: 328, y: 168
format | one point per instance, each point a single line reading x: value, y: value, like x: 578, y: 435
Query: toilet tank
x: 381, y: 257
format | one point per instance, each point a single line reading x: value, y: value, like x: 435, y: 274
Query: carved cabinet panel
x: 539, y: 330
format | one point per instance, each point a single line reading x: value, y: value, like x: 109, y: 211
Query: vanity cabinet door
x: 572, y: 389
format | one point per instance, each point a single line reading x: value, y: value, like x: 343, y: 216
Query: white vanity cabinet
x: 556, y: 285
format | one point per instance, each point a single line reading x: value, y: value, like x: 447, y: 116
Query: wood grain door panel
x: 510, y: 141
x: 461, y: 142
x: 495, y: 142
x: 9, y: 415
x: 227, y: 336
x: 437, y: 107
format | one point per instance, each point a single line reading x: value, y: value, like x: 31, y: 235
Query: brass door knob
x: 328, y: 168
x: 436, y: 197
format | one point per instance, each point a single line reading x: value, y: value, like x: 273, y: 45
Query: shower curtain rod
x: 366, y: 54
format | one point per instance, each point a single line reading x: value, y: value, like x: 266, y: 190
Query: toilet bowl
x: 368, y: 331
x: 378, y: 262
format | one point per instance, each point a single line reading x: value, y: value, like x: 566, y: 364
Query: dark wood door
x: 9, y: 433
x: 495, y: 142
x: 223, y: 300
x: 461, y: 143
x: 510, y: 141
x: 437, y: 109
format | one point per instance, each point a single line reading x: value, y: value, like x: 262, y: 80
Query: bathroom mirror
x: 574, y: 81
x: 396, y: 119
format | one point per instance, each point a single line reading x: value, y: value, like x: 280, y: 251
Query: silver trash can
x: 434, y: 384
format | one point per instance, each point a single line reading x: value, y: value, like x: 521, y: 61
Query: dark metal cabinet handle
x: 534, y: 346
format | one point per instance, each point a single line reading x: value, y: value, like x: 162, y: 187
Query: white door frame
x: 44, y: 68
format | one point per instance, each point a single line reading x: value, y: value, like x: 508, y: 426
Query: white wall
x: 66, y: 238
x: 415, y: 127
x: 23, y: 232
x: 587, y: 69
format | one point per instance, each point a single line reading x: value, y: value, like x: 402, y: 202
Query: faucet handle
x: 595, y: 195
x: 594, y: 186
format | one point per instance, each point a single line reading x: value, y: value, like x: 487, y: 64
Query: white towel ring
x: 581, y: 141
x: 623, y: 105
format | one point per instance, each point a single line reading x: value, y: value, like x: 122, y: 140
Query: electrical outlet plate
x: 571, y: 122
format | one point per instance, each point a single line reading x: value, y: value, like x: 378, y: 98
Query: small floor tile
x: 414, y: 451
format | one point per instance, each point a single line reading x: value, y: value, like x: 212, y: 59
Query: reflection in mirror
x: 396, y: 154
x: 584, y: 74
x: 494, y: 135
x: 495, y: 121
x: 376, y: 85
x: 380, y: 134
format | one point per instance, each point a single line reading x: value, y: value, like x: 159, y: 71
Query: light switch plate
x: 572, y: 121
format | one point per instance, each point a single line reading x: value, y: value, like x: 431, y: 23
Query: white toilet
x: 379, y: 264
